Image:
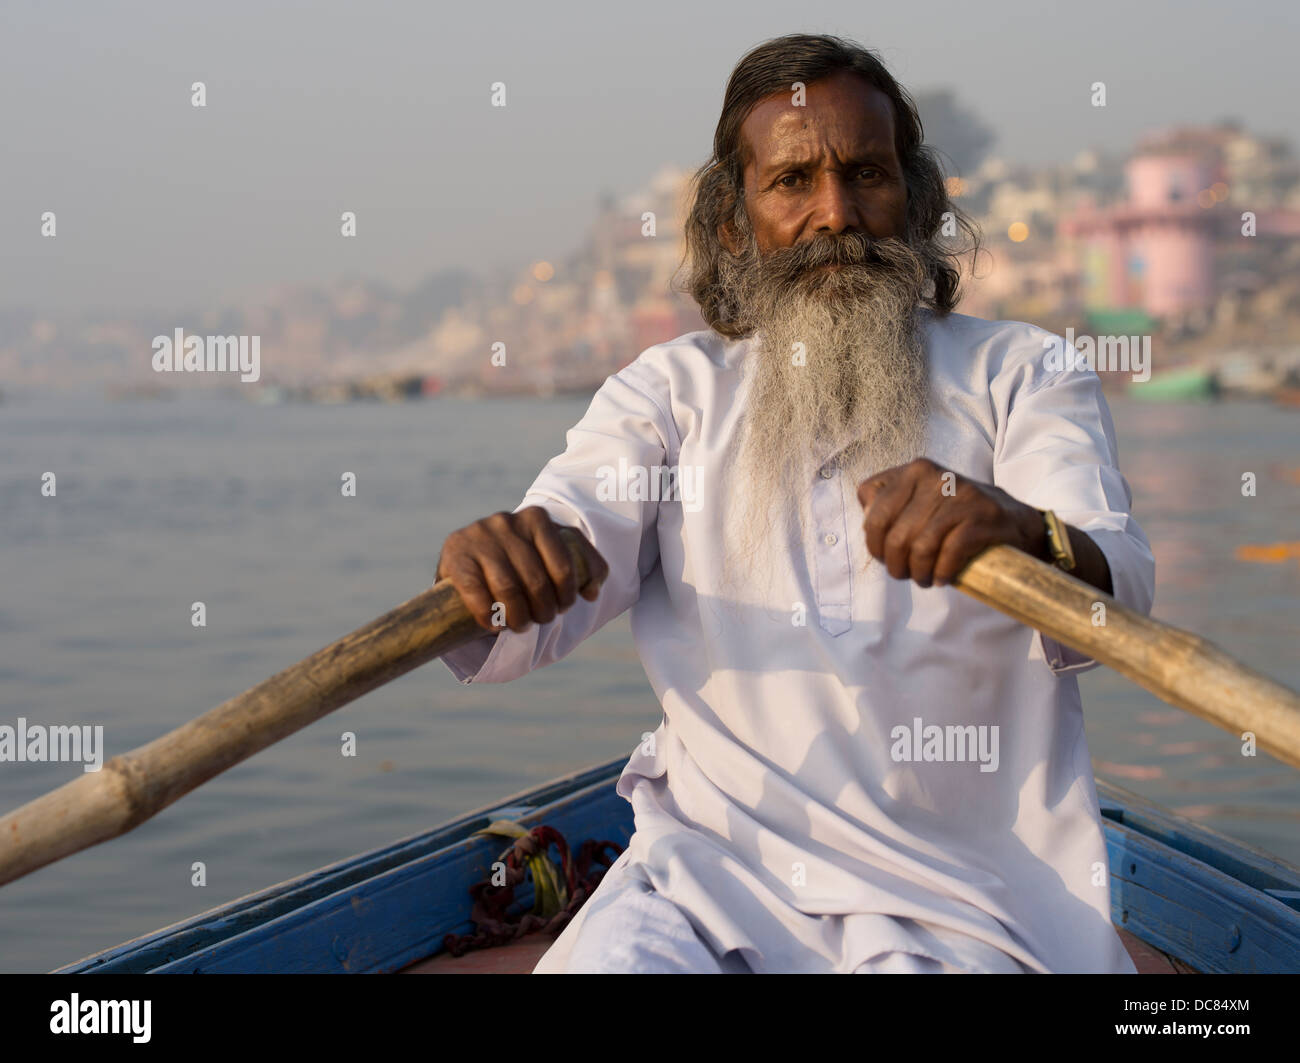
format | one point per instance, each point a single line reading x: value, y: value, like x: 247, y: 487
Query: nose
x: 834, y: 209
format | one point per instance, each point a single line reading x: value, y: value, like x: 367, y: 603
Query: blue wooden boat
x: 1184, y: 898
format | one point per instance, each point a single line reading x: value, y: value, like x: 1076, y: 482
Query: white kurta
x: 783, y: 805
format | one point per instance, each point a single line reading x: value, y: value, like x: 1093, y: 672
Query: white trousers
x: 628, y: 928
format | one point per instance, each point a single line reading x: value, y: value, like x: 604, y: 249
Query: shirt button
x: 830, y: 539
x: 827, y: 472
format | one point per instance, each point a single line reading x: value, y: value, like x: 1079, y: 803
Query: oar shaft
x: 1177, y: 666
x: 132, y: 787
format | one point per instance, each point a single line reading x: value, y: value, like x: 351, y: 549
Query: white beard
x: 839, y: 368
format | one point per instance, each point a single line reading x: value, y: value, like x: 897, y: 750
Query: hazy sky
x: 383, y: 108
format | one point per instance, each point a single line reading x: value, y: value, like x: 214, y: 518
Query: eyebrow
x: 803, y: 162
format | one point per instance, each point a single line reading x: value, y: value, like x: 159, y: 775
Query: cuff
x: 1131, y: 575
x: 466, y: 662
x: 508, y: 655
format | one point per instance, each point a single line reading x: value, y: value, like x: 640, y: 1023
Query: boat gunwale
x: 224, y: 921
x: 470, y: 858
x: 1195, y: 913
x: 1246, y: 863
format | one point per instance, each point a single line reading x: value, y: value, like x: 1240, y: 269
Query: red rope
x: 495, y: 924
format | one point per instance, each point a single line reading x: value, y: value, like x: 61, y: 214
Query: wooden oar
x: 1175, y: 665
x: 130, y: 788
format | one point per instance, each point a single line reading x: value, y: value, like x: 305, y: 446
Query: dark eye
x: 868, y: 170
x: 788, y: 177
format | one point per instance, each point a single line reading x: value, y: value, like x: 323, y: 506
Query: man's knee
x: 634, y: 930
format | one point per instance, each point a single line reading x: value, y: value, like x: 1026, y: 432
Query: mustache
x: 854, y: 252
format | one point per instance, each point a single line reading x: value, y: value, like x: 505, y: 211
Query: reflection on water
x: 239, y: 506
x: 1185, y: 464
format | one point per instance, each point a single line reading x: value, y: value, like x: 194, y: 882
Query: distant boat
x: 1269, y: 553
x: 132, y: 392
x: 269, y: 395
x: 1184, y: 899
x: 1287, y: 396
x: 1176, y: 385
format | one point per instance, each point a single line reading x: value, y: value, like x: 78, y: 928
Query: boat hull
x: 1205, y: 902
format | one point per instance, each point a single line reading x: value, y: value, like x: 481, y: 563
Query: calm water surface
x: 162, y: 504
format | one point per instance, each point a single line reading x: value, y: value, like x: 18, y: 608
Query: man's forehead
x: 845, y: 106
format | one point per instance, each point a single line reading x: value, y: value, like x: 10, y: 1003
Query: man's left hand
x: 926, y: 522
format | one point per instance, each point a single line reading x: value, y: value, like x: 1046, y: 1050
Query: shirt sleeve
x: 1057, y: 451
x: 626, y: 427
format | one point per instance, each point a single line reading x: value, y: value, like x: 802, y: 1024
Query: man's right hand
x: 520, y: 562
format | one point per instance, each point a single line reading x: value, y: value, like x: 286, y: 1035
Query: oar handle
x: 1177, y: 666
x: 133, y: 786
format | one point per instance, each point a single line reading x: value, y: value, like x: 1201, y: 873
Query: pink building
x: 1154, y: 252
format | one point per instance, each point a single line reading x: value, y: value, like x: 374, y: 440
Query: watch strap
x: 1058, y: 541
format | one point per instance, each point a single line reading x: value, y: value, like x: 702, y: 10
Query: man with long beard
x: 859, y: 769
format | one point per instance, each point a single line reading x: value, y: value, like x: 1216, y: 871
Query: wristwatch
x: 1058, y: 541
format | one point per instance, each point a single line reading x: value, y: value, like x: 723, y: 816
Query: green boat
x: 1176, y: 385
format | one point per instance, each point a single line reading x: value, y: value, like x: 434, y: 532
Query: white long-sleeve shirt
x: 794, y: 794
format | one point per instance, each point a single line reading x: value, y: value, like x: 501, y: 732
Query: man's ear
x: 727, y: 237
x: 727, y: 234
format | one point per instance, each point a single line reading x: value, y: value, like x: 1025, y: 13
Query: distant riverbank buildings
x: 1193, y: 238
x: 1198, y: 228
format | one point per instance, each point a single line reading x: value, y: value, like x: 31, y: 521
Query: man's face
x: 827, y: 167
